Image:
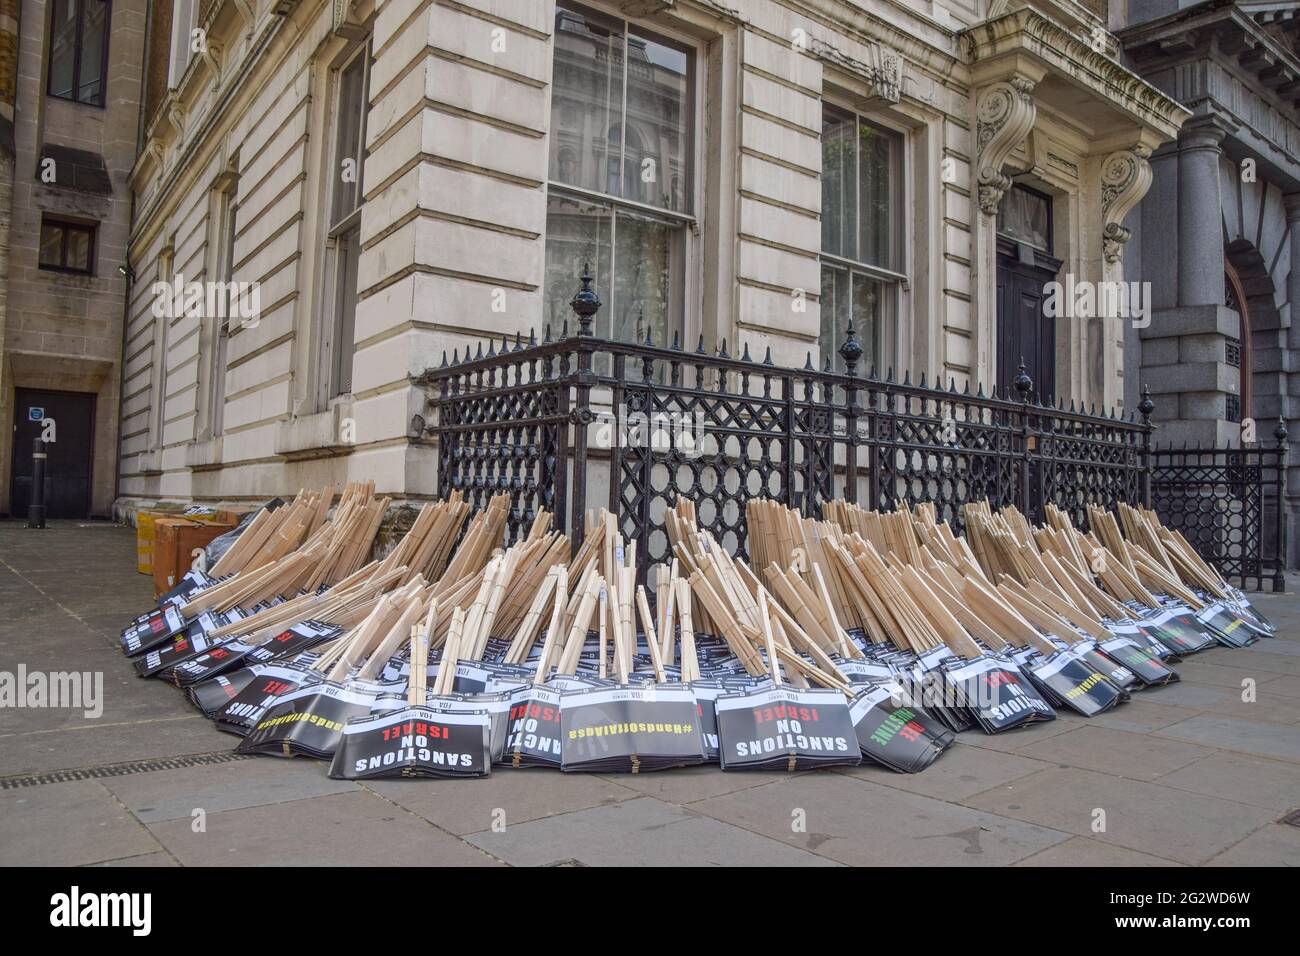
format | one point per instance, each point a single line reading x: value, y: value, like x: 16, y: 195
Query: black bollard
x: 36, y: 510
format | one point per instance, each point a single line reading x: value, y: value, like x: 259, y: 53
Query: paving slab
x: 175, y: 794
x: 1147, y: 817
x: 342, y: 829
x: 865, y: 824
x: 1081, y: 851
x: 1286, y: 687
x: 1144, y: 713
x: 960, y: 771
x: 1223, y: 673
x: 161, y: 858
x: 68, y: 824
x: 1245, y: 736
x: 509, y: 796
x: 1012, y: 740
x: 687, y: 785
x: 100, y: 742
x: 1274, y: 845
x: 640, y: 832
x: 1137, y: 756
x: 1258, y: 781
x: 1268, y: 706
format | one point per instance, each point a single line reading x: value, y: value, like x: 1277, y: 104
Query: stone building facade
x: 1216, y: 235
x: 403, y: 178
x: 69, y: 105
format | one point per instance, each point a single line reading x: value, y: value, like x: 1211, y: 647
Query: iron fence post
x: 1279, y: 566
x: 1024, y: 385
x: 1146, y: 407
x: 851, y: 352
x: 585, y: 304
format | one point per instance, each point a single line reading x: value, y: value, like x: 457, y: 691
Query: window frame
x: 1049, y: 202
x: 76, y: 57
x: 334, y: 324
x: 67, y: 226
x: 180, y: 42
x: 896, y: 282
x: 687, y: 223
x: 226, y: 202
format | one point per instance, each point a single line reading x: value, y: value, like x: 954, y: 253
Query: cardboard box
x: 175, y: 539
x: 146, y: 530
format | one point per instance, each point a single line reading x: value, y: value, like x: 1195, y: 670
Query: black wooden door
x: 1024, y: 331
x: 68, y: 465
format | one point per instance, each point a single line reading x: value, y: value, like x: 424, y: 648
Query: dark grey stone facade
x: 1218, y: 235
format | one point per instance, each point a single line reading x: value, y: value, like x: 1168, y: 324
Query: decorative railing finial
x: 1023, y: 383
x: 585, y: 301
x: 1146, y: 406
x: 851, y: 350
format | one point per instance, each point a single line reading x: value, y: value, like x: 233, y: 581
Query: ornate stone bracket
x: 344, y: 21
x: 1005, y: 114
x: 176, y: 116
x: 211, y: 55
x: 1125, y: 178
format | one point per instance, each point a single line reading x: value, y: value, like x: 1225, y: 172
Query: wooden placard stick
x: 729, y: 628
x: 553, y: 629
x: 769, y: 640
x: 651, y: 639
x: 683, y: 604
x: 603, y: 613
x: 532, y: 622
x: 847, y: 648
x: 577, y: 636
x: 793, y: 632
x: 948, y: 589
x: 667, y: 610
x: 446, y: 681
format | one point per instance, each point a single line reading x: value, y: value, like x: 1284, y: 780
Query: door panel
x: 68, y: 467
x: 1023, y: 330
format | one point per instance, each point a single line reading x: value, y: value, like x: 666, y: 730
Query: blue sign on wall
x: 35, y: 413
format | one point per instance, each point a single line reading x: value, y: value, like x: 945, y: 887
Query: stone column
x: 1200, y: 230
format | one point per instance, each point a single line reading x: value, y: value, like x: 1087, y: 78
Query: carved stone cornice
x: 1125, y: 179
x: 883, y: 71
x: 1027, y: 33
x: 1004, y: 115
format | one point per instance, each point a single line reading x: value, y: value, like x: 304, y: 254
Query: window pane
x: 647, y: 279
x: 577, y: 233
x: 348, y: 144
x: 869, y: 301
x: 834, y: 313
x: 656, y: 164
x: 1024, y: 216
x: 869, y: 311
x: 586, y: 103
x: 876, y: 195
x: 78, y: 250
x: 839, y: 204
x: 63, y: 42
x: 92, y: 53
x: 51, y: 245
x: 345, y: 311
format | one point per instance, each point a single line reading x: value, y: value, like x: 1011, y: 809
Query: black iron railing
x: 1229, y: 503
x: 579, y: 422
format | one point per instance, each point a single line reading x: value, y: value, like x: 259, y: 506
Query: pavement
x: 1184, y: 775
